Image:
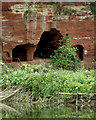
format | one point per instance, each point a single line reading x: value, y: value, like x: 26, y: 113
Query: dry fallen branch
x: 10, y: 95
x: 5, y: 92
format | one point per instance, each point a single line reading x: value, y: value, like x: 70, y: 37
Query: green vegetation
x: 65, y: 55
x: 28, y: 110
x: 43, y: 81
x: 60, y: 10
x: 29, y: 13
x: 93, y: 7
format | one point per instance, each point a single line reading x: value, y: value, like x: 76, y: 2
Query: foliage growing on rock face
x: 93, y: 7
x: 60, y: 10
x: 65, y: 55
x: 29, y: 12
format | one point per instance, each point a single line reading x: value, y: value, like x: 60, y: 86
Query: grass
x: 44, y: 80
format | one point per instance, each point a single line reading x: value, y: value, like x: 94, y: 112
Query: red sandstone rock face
x: 17, y: 31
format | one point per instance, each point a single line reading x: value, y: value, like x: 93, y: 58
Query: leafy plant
x: 43, y: 84
x: 65, y: 55
x: 93, y: 7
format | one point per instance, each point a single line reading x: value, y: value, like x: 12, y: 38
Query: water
x: 27, y: 110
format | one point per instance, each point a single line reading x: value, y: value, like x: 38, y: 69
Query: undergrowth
x: 43, y: 81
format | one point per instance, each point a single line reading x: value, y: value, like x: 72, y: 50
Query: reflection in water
x: 27, y: 110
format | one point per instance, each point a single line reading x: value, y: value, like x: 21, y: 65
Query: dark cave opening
x: 19, y: 53
x: 49, y: 42
x: 79, y: 52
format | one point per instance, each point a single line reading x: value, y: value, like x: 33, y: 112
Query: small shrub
x: 65, y: 55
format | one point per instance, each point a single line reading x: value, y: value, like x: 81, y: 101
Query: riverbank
x: 21, y: 110
x: 26, y: 97
x: 43, y: 81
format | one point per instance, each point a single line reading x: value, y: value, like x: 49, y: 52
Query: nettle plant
x: 65, y: 55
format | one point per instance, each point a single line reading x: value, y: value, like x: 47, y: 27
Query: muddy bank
x: 22, y: 95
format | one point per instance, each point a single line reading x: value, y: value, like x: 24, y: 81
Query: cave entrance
x: 19, y: 53
x: 79, y: 52
x: 48, y: 43
x: 23, y: 52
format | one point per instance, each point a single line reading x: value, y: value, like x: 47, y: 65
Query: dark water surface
x: 27, y: 110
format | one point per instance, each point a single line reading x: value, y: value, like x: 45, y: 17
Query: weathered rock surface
x: 23, y: 35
